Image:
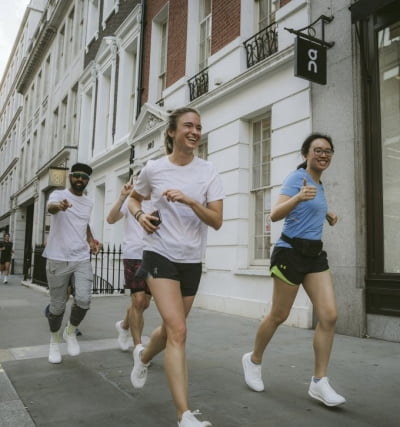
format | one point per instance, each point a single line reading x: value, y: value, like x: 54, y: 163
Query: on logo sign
x: 310, y: 61
x: 313, y: 56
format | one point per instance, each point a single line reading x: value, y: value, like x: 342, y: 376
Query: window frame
x: 255, y: 190
x: 205, y: 20
x: 382, y: 289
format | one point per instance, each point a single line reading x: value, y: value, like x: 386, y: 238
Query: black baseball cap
x: 81, y: 167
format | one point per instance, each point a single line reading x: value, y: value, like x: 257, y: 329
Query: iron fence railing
x: 261, y: 45
x: 108, y: 270
x: 198, y: 84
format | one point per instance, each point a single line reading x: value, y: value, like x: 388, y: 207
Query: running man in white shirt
x: 188, y: 194
x: 68, y: 258
x: 132, y: 249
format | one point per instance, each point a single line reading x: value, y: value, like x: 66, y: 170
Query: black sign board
x: 310, y: 61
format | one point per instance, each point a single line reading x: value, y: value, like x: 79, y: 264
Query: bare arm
x: 115, y: 213
x: 55, y: 207
x: 210, y: 214
x: 331, y: 218
x: 285, y: 204
x: 94, y: 244
x: 135, y: 202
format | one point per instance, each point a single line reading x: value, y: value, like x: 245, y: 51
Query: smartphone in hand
x: 156, y: 222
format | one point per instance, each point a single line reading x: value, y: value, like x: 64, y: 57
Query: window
x: 379, y: 29
x: 42, y: 146
x: 34, y: 155
x: 260, y: 189
x: 93, y: 21
x: 39, y: 90
x: 158, y: 56
x: 79, y: 20
x: 103, y: 113
x: 108, y: 7
x: 202, y: 150
x: 72, y: 125
x: 127, y: 87
x: 163, y: 60
x: 46, y: 77
x: 86, y: 139
x: 54, y: 140
x: 265, y: 13
x: 205, y: 33
x: 69, y: 50
x: 61, y: 52
x: 63, y: 123
x: 389, y: 80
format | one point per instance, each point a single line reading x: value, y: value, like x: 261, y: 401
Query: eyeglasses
x: 82, y: 175
x: 319, y: 151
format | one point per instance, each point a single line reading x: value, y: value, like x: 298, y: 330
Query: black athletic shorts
x: 157, y: 266
x: 291, y: 267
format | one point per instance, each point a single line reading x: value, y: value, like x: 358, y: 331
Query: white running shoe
x: 123, y: 336
x: 54, y: 352
x: 323, y: 391
x: 139, y: 371
x: 189, y: 420
x: 252, y: 373
x: 72, y: 343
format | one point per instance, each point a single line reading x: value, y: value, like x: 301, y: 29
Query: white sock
x: 55, y: 337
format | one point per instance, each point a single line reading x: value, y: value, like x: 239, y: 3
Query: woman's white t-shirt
x: 132, y: 245
x: 182, y: 235
x: 67, y: 240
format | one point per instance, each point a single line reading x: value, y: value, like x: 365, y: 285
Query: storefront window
x: 389, y: 76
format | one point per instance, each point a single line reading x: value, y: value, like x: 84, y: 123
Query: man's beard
x: 78, y: 186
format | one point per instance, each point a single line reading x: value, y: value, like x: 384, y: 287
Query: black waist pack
x: 305, y: 247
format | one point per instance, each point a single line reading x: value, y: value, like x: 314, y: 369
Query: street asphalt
x: 94, y: 388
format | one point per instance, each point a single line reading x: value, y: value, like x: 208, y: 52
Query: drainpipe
x: 141, y: 59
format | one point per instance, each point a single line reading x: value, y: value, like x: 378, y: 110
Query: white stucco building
x: 100, y: 77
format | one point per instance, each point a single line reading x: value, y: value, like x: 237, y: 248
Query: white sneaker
x: 252, y: 373
x: 123, y: 336
x: 139, y: 371
x: 322, y: 391
x: 72, y: 343
x: 189, y: 420
x: 54, y: 352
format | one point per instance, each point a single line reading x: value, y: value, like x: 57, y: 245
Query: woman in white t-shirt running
x: 187, y: 193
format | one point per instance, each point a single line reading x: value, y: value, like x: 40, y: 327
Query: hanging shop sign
x: 310, y: 52
x: 310, y: 61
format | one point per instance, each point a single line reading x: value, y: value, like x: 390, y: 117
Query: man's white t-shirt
x: 182, y: 235
x: 132, y: 245
x: 67, y: 240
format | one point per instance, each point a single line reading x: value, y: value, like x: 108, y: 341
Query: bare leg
x: 134, y: 315
x: 320, y: 290
x: 282, y: 301
x: 7, y: 268
x: 172, y: 336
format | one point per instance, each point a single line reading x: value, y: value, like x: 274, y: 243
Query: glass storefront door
x: 389, y: 82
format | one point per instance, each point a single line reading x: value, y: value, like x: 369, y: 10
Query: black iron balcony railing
x: 198, y: 84
x: 261, y: 45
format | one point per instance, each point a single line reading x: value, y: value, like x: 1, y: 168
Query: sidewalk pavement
x: 94, y: 388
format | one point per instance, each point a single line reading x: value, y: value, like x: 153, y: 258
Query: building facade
x: 11, y: 126
x: 108, y: 100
